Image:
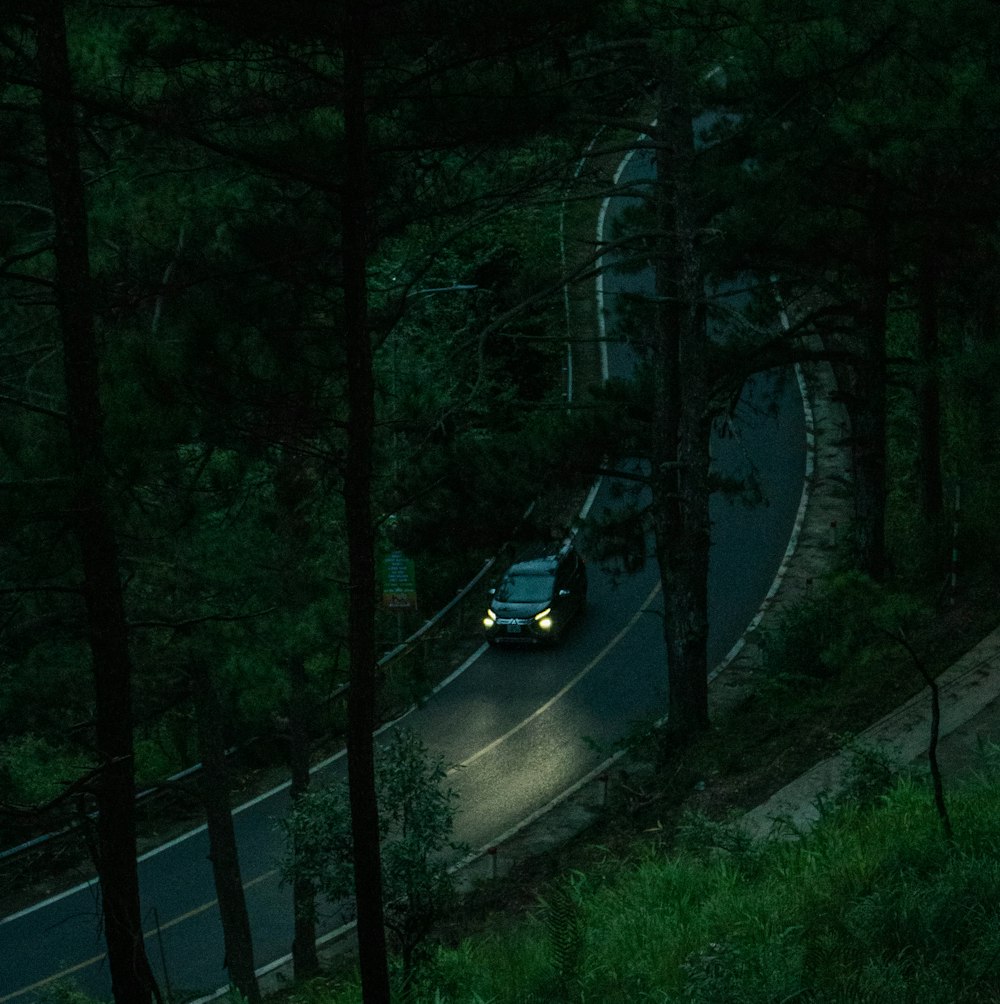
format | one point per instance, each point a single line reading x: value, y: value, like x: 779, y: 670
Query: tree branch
x: 81, y: 785
x: 181, y: 625
x: 26, y: 406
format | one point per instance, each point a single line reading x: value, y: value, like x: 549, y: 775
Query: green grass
x: 873, y: 905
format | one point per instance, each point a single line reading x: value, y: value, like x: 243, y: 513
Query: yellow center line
x: 565, y: 689
x: 53, y: 978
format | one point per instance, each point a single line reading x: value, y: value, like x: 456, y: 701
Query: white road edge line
x: 566, y: 688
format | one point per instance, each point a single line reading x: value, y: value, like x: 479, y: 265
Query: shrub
x: 33, y: 770
x: 840, y: 626
x: 870, y: 775
x: 416, y: 815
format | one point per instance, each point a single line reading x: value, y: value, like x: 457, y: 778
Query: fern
x: 566, y: 930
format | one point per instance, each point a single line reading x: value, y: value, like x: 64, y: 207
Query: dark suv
x: 537, y: 597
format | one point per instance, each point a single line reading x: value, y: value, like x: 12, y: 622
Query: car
x: 538, y: 596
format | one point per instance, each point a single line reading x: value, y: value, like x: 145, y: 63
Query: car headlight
x: 490, y: 619
x: 543, y: 620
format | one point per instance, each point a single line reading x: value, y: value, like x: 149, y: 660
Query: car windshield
x: 518, y: 587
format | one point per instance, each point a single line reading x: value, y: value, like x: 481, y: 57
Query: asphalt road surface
x: 522, y: 726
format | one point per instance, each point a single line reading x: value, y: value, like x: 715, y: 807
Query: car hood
x: 518, y: 609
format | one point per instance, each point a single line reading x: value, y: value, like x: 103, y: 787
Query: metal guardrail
x: 407, y: 646
x: 415, y: 665
x: 414, y: 650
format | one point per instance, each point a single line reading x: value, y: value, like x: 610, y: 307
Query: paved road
x: 523, y: 725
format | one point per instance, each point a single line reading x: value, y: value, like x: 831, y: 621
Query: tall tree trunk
x: 131, y: 977
x: 868, y: 396
x: 360, y: 530
x: 305, y: 959
x: 931, y: 487
x: 680, y: 461
x: 223, y: 853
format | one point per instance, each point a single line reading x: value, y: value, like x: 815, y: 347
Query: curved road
x: 522, y: 725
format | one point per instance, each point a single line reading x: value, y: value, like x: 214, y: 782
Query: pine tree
x: 132, y: 979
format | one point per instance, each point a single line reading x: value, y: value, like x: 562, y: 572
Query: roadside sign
x: 399, y: 582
